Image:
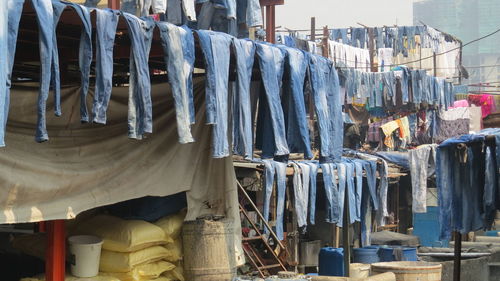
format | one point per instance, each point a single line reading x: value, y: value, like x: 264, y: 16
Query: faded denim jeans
x: 242, y: 111
x: 271, y: 66
x: 4, y: 63
x: 422, y: 165
x: 140, y: 119
x: 106, y: 21
x: 273, y: 168
x: 179, y: 68
x: 333, y: 209
x: 301, y: 182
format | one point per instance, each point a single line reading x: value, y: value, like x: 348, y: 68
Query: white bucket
x: 359, y: 270
x: 85, y: 253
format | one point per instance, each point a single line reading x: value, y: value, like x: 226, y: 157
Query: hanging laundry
x: 301, y: 183
x: 178, y: 49
x: 422, y: 165
x: 332, y: 196
x: 313, y: 168
x: 272, y: 169
x: 106, y: 22
x: 486, y: 102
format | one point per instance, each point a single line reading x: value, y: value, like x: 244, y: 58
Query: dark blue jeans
x: 271, y: 62
x: 293, y: 102
x: 333, y: 209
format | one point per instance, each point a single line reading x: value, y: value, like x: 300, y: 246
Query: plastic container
x: 366, y: 255
x: 410, y: 270
x: 85, y: 253
x: 387, y: 254
x: 331, y: 262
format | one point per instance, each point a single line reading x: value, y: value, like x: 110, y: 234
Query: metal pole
x: 55, y: 255
x: 434, y: 62
x: 313, y: 29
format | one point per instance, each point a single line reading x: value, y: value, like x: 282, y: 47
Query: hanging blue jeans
x: 221, y: 50
x: 4, y: 62
x: 84, y: 57
x: 326, y: 94
x: 242, y: 111
x: 491, y: 187
x: 341, y: 173
x: 45, y: 18
x: 271, y: 66
x: 15, y: 9
x: 279, y: 169
x: 358, y: 168
x: 254, y: 13
x: 130, y: 6
x: 179, y: 72
x: 210, y: 88
x: 140, y: 108
x: 301, y: 191
x: 58, y: 8
x: 106, y: 21
x: 333, y: 208
x: 295, y: 110
x: 358, y: 37
x: 312, y: 190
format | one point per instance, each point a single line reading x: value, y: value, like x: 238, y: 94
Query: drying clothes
x: 91, y: 3
x: 476, y: 120
x: 358, y: 169
x: 450, y: 128
x: 301, y: 182
x: 326, y: 95
x: 461, y: 103
x: 140, y: 119
x: 174, y: 12
x: 178, y: 47
x: 4, y: 63
x: 273, y: 168
x: 106, y: 22
x: 384, y: 59
x: 297, y: 130
x: 486, y: 102
x: 15, y: 9
x: 189, y: 9
x: 159, y: 6
x: 58, y: 8
x: 242, y: 111
x: 422, y: 166
x: 455, y: 113
x: 388, y: 129
x: 271, y: 66
x: 313, y: 172
x: 333, y: 210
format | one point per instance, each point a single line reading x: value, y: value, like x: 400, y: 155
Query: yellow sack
x: 172, y: 225
x: 121, y: 235
x: 177, y: 274
x: 174, y: 251
x: 161, y: 279
x: 143, y: 272
x: 125, y: 262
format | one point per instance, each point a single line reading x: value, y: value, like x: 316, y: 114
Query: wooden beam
x: 272, y: 2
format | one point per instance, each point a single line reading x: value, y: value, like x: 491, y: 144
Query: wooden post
x: 326, y: 46
x: 460, y: 64
x: 372, y: 50
x: 345, y: 235
x: 313, y: 29
x: 270, y: 24
x: 434, y: 63
x: 457, y: 259
x: 55, y: 255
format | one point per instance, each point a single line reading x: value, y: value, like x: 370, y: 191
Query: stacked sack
x: 172, y: 227
x: 132, y: 250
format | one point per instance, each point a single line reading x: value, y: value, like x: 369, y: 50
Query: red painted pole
x: 55, y: 255
x: 114, y: 4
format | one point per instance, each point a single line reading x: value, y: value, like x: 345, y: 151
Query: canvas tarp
x: 84, y: 166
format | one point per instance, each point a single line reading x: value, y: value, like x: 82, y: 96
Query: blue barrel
x: 387, y: 254
x: 491, y: 233
x: 331, y: 262
x: 366, y: 255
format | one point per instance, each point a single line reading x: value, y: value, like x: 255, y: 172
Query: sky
x: 296, y: 14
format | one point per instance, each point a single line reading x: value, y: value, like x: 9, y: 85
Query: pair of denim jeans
x: 140, y: 119
x: 178, y: 49
x: 275, y: 169
x: 4, y: 63
x: 106, y: 22
x: 332, y: 196
x: 301, y: 184
x: 272, y: 136
x: 422, y: 166
x: 216, y: 49
x: 242, y: 109
x: 297, y: 130
x: 326, y: 94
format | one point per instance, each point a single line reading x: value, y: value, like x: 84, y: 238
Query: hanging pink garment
x: 460, y: 103
x: 486, y: 102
